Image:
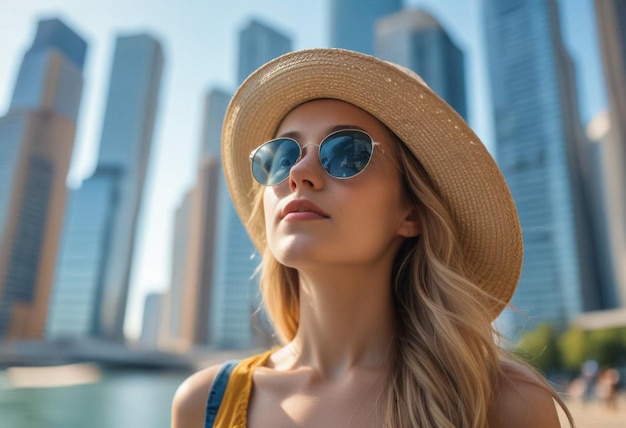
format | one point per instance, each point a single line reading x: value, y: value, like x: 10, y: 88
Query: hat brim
x: 460, y: 167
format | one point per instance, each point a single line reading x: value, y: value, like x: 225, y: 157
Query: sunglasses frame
x: 319, y: 153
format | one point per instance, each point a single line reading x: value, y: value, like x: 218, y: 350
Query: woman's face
x: 313, y: 219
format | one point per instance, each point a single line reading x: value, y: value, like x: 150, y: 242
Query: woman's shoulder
x: 521, y: 399
x: 190, y: 399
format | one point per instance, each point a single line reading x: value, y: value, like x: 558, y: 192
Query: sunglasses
x: 343, y: 154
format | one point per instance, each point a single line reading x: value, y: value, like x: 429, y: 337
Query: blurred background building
x: 220, y: 296
x: 36, y: 141
x: 236, y: 295
x: 99, y: 235
x: 190, y: 298
x: 150, y: 326
x: 415, y: 39
x: 353, y: 22
x: 611, y: 23
x: 540, y: 147
x: 569, y: 186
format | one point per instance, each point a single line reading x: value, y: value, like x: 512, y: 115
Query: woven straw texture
x: 461, y: 168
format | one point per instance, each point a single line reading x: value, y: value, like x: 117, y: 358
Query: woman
x: 390, y: 243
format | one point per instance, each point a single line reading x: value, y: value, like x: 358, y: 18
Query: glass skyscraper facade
x: 191, y: 296
x: 176, y: 325
x: 415, y: 39
x: 601, y: 181
x: 611, y: 24
x: 352, y: 22
x: 43, y: 72
x: 82, y: 256
x: 235, y: 294
x: 258, y: 43
x: 207, y: 193
x: 103, y: 220
x: 539, y: 147
x: 36, y: 142
x: 235, y: 291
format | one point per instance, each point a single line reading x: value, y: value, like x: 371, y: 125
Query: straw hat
x: 461, y: 169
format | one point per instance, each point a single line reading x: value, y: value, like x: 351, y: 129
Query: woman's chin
x: 298, y: 251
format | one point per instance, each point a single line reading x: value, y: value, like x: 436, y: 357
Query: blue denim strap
x: 217, y: 392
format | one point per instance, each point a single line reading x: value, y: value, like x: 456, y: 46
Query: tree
x: 539, y: 348
x: 574, y: 349
x: 608, y: 346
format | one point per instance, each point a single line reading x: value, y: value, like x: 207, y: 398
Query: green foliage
x: 608, y: 346
x: 574, y: 349
x: 547, y: 351
x: 539, y: 348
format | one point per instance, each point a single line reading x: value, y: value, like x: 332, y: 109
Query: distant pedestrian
x: 589, y: 376
x: 607, y: 387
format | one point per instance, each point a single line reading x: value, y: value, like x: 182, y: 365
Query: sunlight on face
x: 355, y: 221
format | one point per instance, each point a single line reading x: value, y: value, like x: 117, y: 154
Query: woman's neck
x: 346, y: 320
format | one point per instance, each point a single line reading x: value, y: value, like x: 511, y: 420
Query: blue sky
x: 199, y: 38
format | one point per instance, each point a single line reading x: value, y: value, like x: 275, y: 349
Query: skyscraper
x: 81, y: 261
x: 235, y: 295
x: 151, y: 315
x: 92, y: 279
x: 540, y: 149
x: 206, y: 210
x: 258, y: 43
x: 176, y: 326
x: 352, y: 22
x: 607, y: 216
x: 36, y: 141
x: 415, y: 39
x: 611, y: 24
x: 189, y: 301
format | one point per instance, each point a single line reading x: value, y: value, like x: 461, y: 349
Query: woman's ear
x: 410, y: 226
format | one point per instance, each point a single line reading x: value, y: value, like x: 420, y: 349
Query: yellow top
x: 233, y: 412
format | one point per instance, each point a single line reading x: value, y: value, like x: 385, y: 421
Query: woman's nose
x: 308, y: 170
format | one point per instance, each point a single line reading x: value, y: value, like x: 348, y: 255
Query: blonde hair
x: 446, y: 363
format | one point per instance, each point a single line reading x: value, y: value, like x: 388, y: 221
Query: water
x: 142, y: 399
x: 134, y: 399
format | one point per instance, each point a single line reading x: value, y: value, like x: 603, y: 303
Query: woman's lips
x: 302, y: 209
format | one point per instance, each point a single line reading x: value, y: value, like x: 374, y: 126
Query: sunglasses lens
x: 344, y: 154
x: 272, y: 161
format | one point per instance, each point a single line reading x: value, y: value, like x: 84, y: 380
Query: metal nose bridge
x: 302, y: 150
x: 310, y: 144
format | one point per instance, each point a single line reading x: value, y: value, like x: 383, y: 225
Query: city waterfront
x: 138, y: 399
x: 142, y: 398
x: 94, y: 384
